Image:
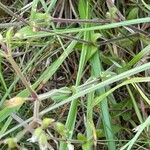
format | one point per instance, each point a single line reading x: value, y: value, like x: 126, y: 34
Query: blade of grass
x: 142, y: 126
x: 107, y: 26
x: 70, y: 123
x: 1, y: 76
x: 129, y: 81
x: 138, y: 56
x: 105, y: 116
x: 145, y: 98
x: 89, y: 122
x: 135, y: 104
x: 44, y: 4
x: 51, y: 6
x: 34, y: 8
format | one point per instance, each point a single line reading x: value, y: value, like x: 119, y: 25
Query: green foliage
x: 47, y: 122
x: 11, y: 143
x: 60, y: 128
x: 133, y: 14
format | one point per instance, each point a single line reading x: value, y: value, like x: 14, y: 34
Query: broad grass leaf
x: 133, y: 14
x: 4, y: 113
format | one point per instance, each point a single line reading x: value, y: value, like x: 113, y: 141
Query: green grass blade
x: 34, y: 8
x: 92, y: 28
x: 70, y: 123
x: 51, y: 6
x: 135, y: 104
x: 139, y: 56
x: 107, y: 26
x: 141, y: 127
x: 129, y: 81
x: 105, y: 116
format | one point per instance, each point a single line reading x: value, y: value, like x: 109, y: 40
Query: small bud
x: 60, y: 128
x: 9, y: 35
x: 11, y: 143
x: 39, y: 136
x: 108, y: 15
x: 47, y: 122
x: 1, y: 38
x: 14, y: 102
x: 43, y: 141
x: 81, y: 137
x: 36, y: 135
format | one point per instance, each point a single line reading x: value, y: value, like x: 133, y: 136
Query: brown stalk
x: 11, y: 60
x: 96, y: 21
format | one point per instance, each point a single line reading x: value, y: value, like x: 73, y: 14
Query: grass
x: 70, y: 81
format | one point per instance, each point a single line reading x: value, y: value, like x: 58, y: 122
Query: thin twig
x: 117, y: 39
x: 95, y: 21
x: 8, y: 11
x: 8, y: 25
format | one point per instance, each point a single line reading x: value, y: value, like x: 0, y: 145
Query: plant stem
x: 10, y: 59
